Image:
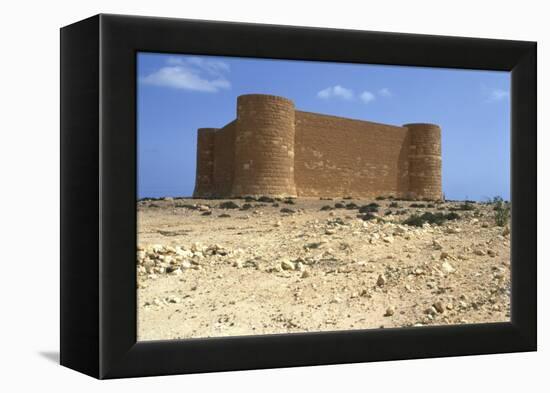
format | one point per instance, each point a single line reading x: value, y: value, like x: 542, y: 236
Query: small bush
x: 417, y: 205
x: 380, y: 198
x: 228, y: 205
x: 430, y: 218
x: 367, y: 217
x: 467, y: 206
x: 287, y: 210
x: 351, y: 206
x: 339, y: 205
x: 326, y: 207
x: 368, y: 208
x: 502, y: 211
x: 289, y: 201
x: 387, y: 212
x: 266, y: 199
x: 452, y: 216
x: 394, y: 204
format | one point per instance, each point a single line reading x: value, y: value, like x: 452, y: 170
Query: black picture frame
x: 98, y: 196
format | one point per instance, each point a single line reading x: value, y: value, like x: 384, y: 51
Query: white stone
x: 287, y: 265
x: 185, y: 265
x: 447, y: 268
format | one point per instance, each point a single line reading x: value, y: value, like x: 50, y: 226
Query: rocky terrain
x: 209, y: 268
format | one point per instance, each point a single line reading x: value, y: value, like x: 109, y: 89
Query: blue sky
x: 178, y: 94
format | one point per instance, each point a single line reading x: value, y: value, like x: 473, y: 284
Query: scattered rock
x: 287, y: 265
x: 430, y: 311
x: 440, y: 308
x: 389, y: 311
x: 186, y: 265
x: 313, y: 245
x: 381, y: 281
x: 174, y: 299
x: 447, y: 268
x: 418, y: 271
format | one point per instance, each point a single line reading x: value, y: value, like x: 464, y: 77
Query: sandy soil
x: 206, y: 271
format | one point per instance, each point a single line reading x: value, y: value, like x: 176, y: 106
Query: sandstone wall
x: 264, y: 146
x: 272, y: 149
x: 224, y: 153
x: 204, y: 180
x: 338, y: 157
x: 425, y: 160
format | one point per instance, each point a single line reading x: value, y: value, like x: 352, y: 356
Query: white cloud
x: 193, y: 73
x: 497, y: 95
x: 385, y: 92
x: 210, y: 66
x: 367, y: 97
x: 492, y: 94
x: 344, y: 93
x: 337, y: 92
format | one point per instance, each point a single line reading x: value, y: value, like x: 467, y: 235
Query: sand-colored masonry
x: 274, y: 149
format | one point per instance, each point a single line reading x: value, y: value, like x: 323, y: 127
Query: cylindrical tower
x: 204, y: 180
x: 424, y: 161
x: 264, y: 146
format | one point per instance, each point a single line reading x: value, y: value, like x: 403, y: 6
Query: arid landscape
x: 234, y: 267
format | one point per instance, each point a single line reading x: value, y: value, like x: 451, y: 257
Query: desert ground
x: 233, y: 267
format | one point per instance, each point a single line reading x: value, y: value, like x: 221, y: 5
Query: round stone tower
x: 204, y: 183
x: 264, y: 146
x: 424, y: 161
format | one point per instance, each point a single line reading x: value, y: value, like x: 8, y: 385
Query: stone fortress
x: 273, y: 149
